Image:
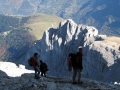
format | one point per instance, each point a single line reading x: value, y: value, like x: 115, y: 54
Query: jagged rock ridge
x: 98, y: 57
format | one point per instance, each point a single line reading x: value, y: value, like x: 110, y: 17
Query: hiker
x: 77, y: 66
x: 43, y: 68
x: 36, y: 65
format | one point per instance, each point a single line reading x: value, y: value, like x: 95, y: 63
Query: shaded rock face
x: 98, y: 58
x: 101, y: 62
x: 56, y: 44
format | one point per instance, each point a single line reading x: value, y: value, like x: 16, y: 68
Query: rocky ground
x: 24, y: 80
x: 27, y: 82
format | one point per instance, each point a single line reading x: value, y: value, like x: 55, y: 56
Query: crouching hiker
x: 43, y: 68
x: 77, y: 66
x: 36, y: 65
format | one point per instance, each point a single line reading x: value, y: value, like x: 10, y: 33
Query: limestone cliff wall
x: 102, y: 61
x: 100, y: 58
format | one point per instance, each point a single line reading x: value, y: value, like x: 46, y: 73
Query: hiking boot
x: 80, y: 82
x: 73, y: 82
x: 36, y: 77
x: 41, y: 74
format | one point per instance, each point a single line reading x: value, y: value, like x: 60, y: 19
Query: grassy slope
x: 112, y: 41
x: 12, y: 46
x: 38, y: 23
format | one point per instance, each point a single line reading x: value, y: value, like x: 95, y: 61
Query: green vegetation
x: 18, y: 41
x: 18, y: 34
x: 38, y: 23
x: 8, y: 23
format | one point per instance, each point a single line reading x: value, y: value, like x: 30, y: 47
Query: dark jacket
x: 43, y: 67
x: 77, y: 61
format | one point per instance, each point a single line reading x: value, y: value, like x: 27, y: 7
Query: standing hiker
x: 77, y: 66
x: 36, y: 65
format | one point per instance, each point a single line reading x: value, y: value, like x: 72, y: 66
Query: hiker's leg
x: 79, y: 76
x: 41, y: 73
x: 74, y: 75
x: 44, y: 74
x: 35, y: 73
x: 38, y: 70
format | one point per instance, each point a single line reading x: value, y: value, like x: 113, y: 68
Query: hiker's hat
x: 81, y: 50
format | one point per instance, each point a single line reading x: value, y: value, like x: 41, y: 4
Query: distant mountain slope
x: 18, y: 34
x: 18, y: 7
x: 102, y: 14
x: 38, y: 23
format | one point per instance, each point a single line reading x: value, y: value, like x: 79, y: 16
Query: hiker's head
x: 78, y: 53
x: 80, y: 50
x: 40, y: 61
x: 35, y: 54
x: 70, y: 55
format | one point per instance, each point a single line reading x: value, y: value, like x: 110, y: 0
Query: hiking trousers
x: 37, y: 71
x: 75, y: 72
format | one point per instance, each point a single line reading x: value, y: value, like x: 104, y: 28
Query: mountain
x: 100, y: 58
x: 18, y: 34
x: 21, y: 7
x: 102, y: 14
x: 101, y: 54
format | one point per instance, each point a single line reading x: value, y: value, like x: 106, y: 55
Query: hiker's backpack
x: 69, y: 64
x: 78, y: 61
x: 30, y: 61
x: 71, y: 61
x: 44, y: 67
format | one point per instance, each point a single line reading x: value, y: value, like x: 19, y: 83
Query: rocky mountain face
x: 100, y: 58
x: 102, y: 14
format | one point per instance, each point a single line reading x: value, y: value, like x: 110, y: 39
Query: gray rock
x: 51, y: 86
x: 100, y: 58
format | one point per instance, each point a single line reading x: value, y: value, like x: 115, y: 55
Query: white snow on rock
x: 12, y: 70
